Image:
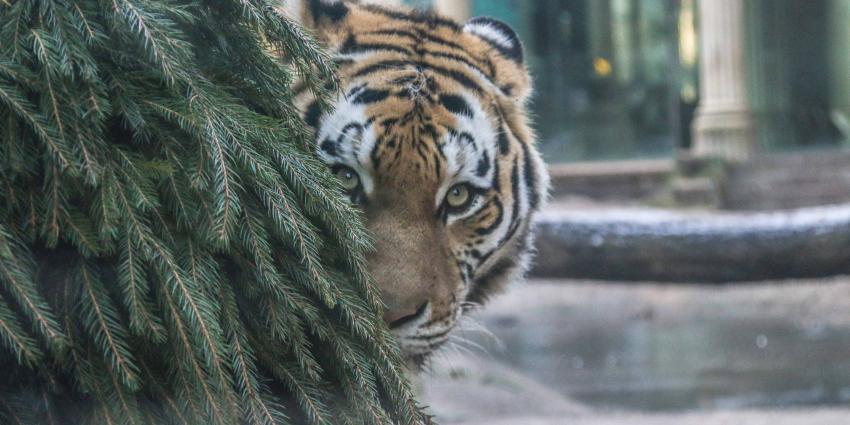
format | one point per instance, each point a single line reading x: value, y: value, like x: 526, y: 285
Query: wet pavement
x: 645, y: 365
x: 583, y: 349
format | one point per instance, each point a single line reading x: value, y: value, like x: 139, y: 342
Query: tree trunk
x: 647, y: 245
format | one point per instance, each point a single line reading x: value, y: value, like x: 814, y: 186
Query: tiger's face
x: 430, y: 139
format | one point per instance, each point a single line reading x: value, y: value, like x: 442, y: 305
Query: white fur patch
x: 490, y: 33
x: 356, y: 153
x: 463, y: 158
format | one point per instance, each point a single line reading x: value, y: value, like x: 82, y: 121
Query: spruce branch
x: 18, y: 103
x: 192, y: 370
x: 134, y: 281
x: 171, y: 250
x: 259, y: 407
x: 101, y: 320
x: 17, y: 273
x: 12, y: 333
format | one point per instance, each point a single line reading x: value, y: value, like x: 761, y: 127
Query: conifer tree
x: 170, y: 250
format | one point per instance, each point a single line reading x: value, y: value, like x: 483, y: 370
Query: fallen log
x: 663, y: 246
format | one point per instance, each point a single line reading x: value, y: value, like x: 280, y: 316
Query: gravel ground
x: 807, y: 417
x: 464, y: 388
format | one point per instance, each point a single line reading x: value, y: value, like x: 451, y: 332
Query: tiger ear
x: 509, y: 62
x: 316, y: 14
x: 497, y: 34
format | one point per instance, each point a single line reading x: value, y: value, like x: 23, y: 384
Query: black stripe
x: 515, y: 219
x: 497, y: 177
x: 466, y: 139
x: 504, y: 143
x: 425, y: 36
x: 376, y: 158
x: 341, y: 62
x: 483, y: 165
x: 422, y: 151
x: 351, y: 126
x: 403, y: 81
x: 490, y: 66
x: 395, y: 32
x: 381, y: 66
x: 486, y: 257
x: 429, y: 130
x: 454, y: 74
x: 369, y: 96
x: 365, y: 47
x: 469, y: 271
x: 345, y: 136
x: 313, y: 114
x: 352, y: 46
x: 349, y: 44
x: 432, y: 337
x: 530, y: 175
x: 514, y: 51
x: 515, y: 190
x: 330, y: 147
x: 483, y: 286
x: 416, y: 16
x: 511, y: 232
x: 356, y: 89
x: 456, y: 105
x: 497, y: 222
x: 457, y: 58
x: 335, y: 11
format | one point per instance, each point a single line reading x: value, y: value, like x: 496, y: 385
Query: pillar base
x: 728, y: 134
x: 459, y: 10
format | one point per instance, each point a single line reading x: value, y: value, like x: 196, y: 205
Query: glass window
x: 618, y: 79
x: 606, y: 73
x: 608, y: 77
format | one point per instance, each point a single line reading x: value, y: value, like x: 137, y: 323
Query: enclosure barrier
x: 661, y: 246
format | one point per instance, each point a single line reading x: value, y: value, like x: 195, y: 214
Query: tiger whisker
x: 473, y: 325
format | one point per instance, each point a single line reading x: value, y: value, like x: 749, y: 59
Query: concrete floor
x: 543, y: 362
x: 806, y: 417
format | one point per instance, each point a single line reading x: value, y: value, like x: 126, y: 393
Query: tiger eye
x: 349, y: 178
x: 458, y: 196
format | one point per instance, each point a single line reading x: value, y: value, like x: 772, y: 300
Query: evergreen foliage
x: 170, y: 250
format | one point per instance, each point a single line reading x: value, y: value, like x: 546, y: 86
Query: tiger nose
x: 399, y: 318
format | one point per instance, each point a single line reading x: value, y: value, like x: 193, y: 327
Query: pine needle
x: 171, y: 249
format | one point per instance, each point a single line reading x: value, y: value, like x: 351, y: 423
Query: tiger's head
x: 430, y: 139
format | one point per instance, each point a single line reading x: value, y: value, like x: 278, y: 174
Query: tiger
x: 431, y: 139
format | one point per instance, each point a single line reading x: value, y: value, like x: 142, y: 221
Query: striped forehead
x: 381, y: 40
x: 377, y: 130
x: 419, y: 95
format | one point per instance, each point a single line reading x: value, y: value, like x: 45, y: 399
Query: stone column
x: 724, y: 125
x: 839, y: 65
x: 460, y: 10
x: 769, y: 72
x: 626, y: 40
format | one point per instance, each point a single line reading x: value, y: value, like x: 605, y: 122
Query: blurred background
x: 693, y: 262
